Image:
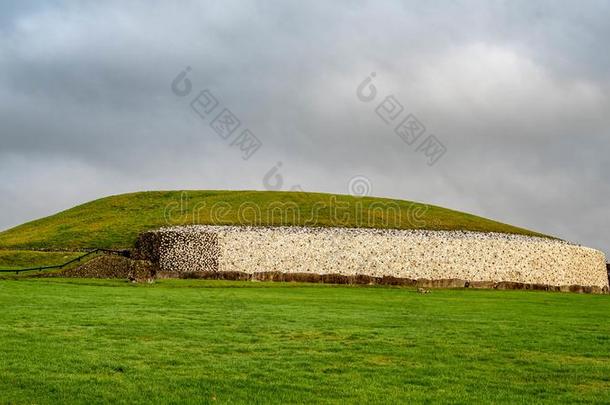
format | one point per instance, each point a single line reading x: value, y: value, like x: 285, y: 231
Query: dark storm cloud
x: 517, y: 91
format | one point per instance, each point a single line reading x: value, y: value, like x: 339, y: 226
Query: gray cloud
x: 517, y: 91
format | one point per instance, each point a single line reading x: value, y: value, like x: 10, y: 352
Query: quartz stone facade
x: 406, y: 254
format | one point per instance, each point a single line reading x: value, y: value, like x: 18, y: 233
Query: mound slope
x: 115, y: 222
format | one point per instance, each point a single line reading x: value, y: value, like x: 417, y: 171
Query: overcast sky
x: 518, y: 93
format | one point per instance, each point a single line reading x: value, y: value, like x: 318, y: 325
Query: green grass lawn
x: 226, y: 342
x: 115, y: 222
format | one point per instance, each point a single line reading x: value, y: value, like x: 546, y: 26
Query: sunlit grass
x: 226, y: 342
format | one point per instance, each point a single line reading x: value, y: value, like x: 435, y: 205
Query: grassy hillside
x: 19, y: 259
x: 185, y: 341
x: 115, y: 222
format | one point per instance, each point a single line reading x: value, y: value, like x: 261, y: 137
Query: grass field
x: 225, y: 342
x: 115, y: 222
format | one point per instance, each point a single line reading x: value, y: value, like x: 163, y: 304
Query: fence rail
x: 61, y: 266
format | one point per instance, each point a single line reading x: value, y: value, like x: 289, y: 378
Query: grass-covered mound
x: 115, y: 222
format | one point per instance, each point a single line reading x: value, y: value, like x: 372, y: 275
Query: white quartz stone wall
x: 409, y: 254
